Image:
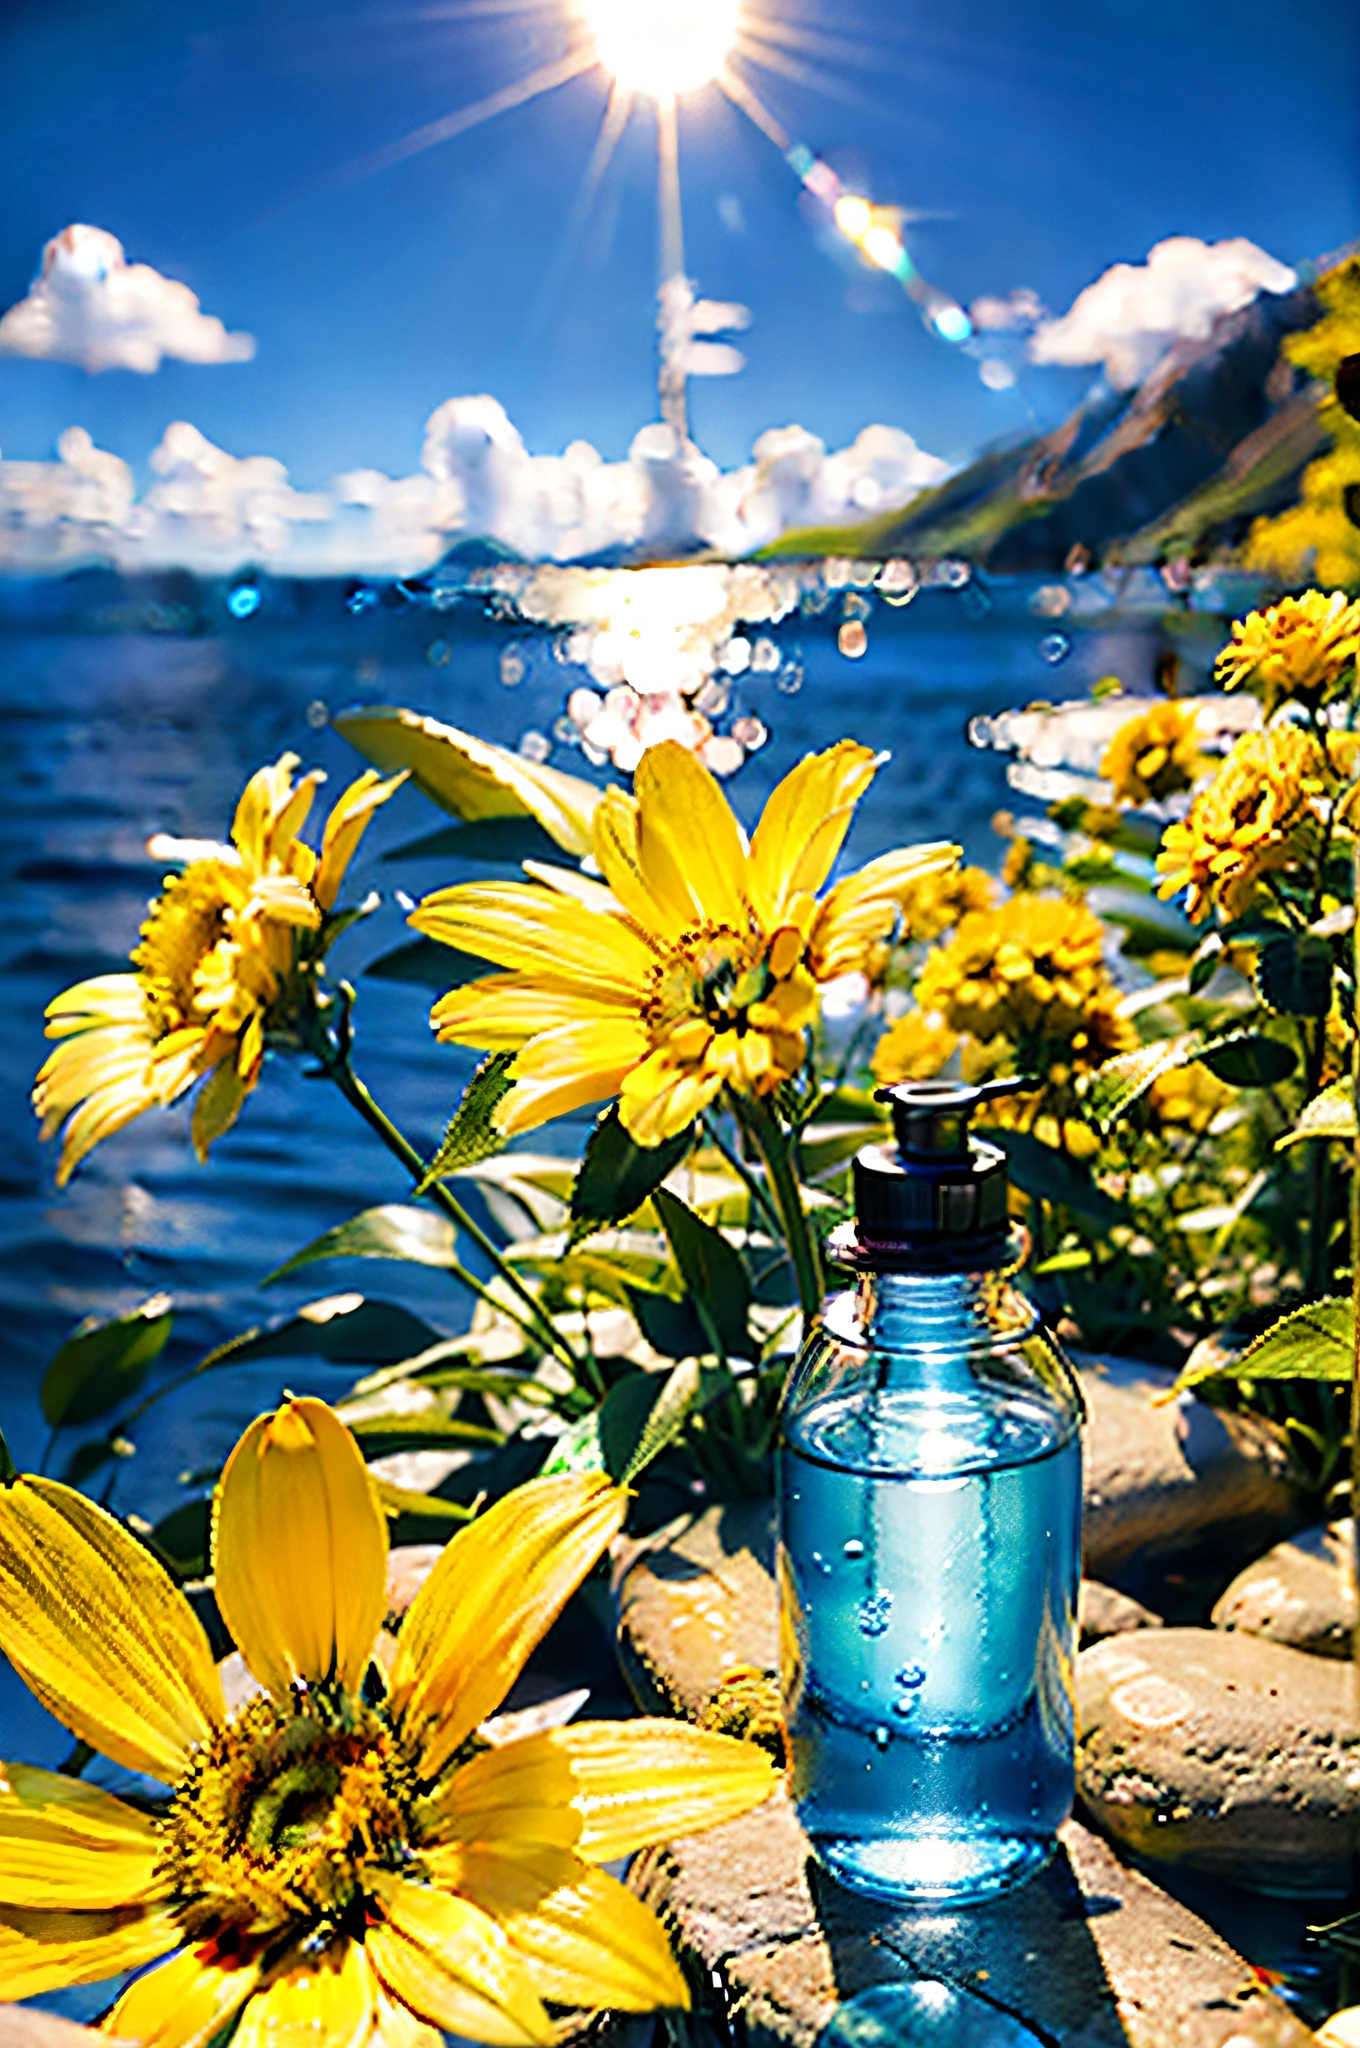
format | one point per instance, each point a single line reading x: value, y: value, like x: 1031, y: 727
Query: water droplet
x: 854, y: 1548
x: 856, y: 607
x: 750, y: 732
x: 910, y: 1676
x: 437, y: 653
x: 821, y: 1564
x: 565, y: 732
x: 765, y: 657
x: 735, y: 657
x: 906, y: 1705
x: 512, y: 669
x: 882, y: 1737
x: 952, y: 575
x: 361, y: 599
x: 713, y: 698
x: 981, y: 731
x: 535, y: 746
x: 874, y: 1613
x: 1054, y: 647
x: 318, y: 713
x: 790, y: 678
x: 244, y: 600
x: 852, y: 640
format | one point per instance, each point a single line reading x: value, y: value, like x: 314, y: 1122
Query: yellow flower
x: 1249, y: 822
x: 1031, y: 972
x: 224, y: 963
x: 695, y: 966
x: 1299, y: 648
x: 342, y: 1858
x: 1190, y: 1097
x: 1154, y: 754
x: 915, y: 1048
x: 938, y: 901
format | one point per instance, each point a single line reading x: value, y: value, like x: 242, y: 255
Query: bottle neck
x: 894, y: 1311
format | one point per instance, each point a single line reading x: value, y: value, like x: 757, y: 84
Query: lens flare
x: 662, y: 47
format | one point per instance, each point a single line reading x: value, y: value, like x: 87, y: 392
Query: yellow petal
x: 471, y: 777
x: 803, y: 824
x: 864, y: 906
x: 658, y: 897
x: 64, y: 1843
x: 587, y: 1940
x: 496, y: 1590
x: 517, y: 1792
x: 95, y: 1627
x: 660, y: 1098
x: 682, y: 807
x: 647, y: 1781
x: 502, y: 1011
x: 396, y: 2026
x: 48, y: 1951
x: 329, y: 2005
x: 300, y: 1549
x: 453, y: 1966
x: 567, y: 1067
x: 183, y: 2004
x: 538, y: 931
x: 345, y: 827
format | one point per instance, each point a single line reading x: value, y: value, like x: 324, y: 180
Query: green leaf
x: 471, y: 1135
x: 381, y: 1436
x: 824, y: 1154
x: 394, y: 1231
x: 9, y: 1471
x: 103, y: 1363
x: 1294, y: 974
x: 1206, y: 963
x: 472, y: 778
x: 1313, y: 1343
x: 1329, y: 1115
x: 427, y: 964
x: 617, y: 1176
x: 713, y: 1273
x: 1053, y: 1177
x: 506, y: 842
x: 344, y: 1329
x: 182, y: 1538
x: 1114, y: 1088
x: 638, y: 1417
x: 1252, y: 1061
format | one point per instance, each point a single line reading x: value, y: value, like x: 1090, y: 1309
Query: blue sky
x: 1042, y: 142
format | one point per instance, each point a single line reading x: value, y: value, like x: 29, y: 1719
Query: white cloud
x: 215, y: 513
x: 1132, y: 314
x: 1020, y: 308
x: 89, y: 305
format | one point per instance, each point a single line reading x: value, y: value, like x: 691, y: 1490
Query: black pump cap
x: 939, y: 1194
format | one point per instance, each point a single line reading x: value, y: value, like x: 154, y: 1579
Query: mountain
x: 1217, y: 433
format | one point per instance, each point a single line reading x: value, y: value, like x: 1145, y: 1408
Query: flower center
x: 187, y: 920
x: 715, y: 973
x: 282, y: 1812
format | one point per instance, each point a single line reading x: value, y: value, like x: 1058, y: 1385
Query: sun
x: 662, y: 47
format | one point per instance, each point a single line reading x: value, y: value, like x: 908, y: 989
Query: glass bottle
x: 929, y: 1481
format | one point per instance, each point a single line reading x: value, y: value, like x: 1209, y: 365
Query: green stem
x: 339, y: 1069
x: 757, y: 1194
x: 757, y: 1118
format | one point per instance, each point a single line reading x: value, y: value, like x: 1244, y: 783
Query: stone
x: 22, y: 2026
x: 1105, y: 1611
x: 1226, y: 1753
x: 1089, y: 1954
x: 1161, y: 1479
x: 1301, y: 1593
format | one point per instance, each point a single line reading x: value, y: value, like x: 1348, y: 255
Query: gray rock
x: 1302, y: 1593
x: 21, y: 2026
x: 1091, y: 1954
x: 1161, y: 1479
x: 1226, y: 1753
x: 1105, y: 1611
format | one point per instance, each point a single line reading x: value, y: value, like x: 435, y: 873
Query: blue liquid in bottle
x: 930, y: 1514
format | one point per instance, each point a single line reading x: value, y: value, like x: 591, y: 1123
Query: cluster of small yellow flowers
x: 1298, y: 650
x: 1023, y: 986
x: 1154, y: 754
x: 1254, y: 818
x: 935, y: 903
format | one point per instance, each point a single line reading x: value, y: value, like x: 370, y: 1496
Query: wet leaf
x: 103, y: 1363
x: 1294, y: 974
x: 394, y: 1231
x: 1252, y: 1061
x: 638, y: 1417
x: 344, y: 1329
x: 617, y: 1176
